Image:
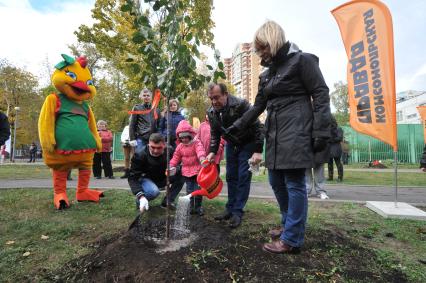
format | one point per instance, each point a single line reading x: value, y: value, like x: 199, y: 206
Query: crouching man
x: 147, y: 172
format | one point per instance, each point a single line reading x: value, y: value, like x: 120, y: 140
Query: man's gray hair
x: 144, y: 91
x: 270, y: 34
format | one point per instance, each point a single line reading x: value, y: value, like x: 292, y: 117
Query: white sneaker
x: 323, y: 195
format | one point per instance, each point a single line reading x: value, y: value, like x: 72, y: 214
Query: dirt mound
x: 219, y: 254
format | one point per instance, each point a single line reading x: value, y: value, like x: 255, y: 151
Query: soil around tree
x: 219, y: 254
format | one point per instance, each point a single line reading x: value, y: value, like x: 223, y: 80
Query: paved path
x: 388, y: 170
x: 414, y: 195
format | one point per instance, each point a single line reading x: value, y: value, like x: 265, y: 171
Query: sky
x: 32, y: 31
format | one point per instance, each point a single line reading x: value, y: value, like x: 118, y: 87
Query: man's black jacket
x: 144, y: 165
x: 220, y: 120
x: 4, y: 129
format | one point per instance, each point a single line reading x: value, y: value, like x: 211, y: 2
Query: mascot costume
x: 67, y: 130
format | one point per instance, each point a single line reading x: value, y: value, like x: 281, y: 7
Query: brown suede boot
x: 83, y: 192
x: 279, y: 247
x: 60, y: 198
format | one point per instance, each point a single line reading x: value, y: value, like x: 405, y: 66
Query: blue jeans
x: 290, y: 190
x: 140, y: 146
x: 150, y: 189
x: 238, y: 177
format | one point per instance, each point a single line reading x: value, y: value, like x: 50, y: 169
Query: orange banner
x: 366, y: 29
x: 155, y: 102
x: 422, y: 111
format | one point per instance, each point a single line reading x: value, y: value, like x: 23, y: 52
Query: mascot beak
x: 80, y: 87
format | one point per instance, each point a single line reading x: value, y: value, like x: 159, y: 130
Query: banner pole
x: 395, y: 157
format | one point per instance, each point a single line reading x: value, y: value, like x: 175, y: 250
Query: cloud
x: 30, y: 36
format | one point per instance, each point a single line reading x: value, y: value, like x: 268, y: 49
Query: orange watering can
x: 209, y: 181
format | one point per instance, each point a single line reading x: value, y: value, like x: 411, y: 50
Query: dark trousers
x: 191, y: 186
x: 339, y: 168
x: 345, y: 158
x: 102, y: 160
x: 238, y: 177
x: 32, y: 157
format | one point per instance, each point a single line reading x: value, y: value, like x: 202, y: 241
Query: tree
x: 197, y: 104
x: 18, y: 88
x: 339, y: 98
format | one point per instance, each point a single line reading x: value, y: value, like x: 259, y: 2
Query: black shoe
x: 224, y: 216
x: 98, y: 177
x: 235, y: 221
x: 330, y: 179
x: 339, y: 179
x: 111, y: 177
x: 126, y: 174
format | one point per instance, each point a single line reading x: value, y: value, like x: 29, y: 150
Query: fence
x: 365, y: 148
x: 362, y: 148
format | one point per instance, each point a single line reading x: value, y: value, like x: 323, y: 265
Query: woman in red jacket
x: 103, y: 157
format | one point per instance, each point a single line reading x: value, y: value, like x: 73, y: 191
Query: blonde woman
x: 294, y: 93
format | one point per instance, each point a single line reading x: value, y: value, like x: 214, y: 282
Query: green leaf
x: 209, y: 67
x: 157, y: 6
x: 189, y: 37
x: 222, y: 75
x: 182, y: 49
x: 138, y: 37
x: 187, y: 20
x: 126, y: 8
x: 143, y: 20
x: 135, y: 68
x: 220, y: 65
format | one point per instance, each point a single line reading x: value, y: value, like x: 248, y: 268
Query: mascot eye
x: 89, y: 82
x: 71, y: 75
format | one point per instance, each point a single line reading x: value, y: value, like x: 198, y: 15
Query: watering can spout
x: 200, y: 192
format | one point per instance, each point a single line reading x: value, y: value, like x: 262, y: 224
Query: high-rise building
x: 242, y: 71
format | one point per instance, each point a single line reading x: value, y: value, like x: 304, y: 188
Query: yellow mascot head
x: 73, y: 78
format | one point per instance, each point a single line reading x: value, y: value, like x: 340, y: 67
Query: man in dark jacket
x: 423, y: 160
x: 148, y: 172
x: 335, y: 151
x: 142, y: 125
x: 241, y: 147
x: 4, y: 129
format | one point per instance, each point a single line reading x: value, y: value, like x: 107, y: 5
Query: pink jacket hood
x: 184, y: 126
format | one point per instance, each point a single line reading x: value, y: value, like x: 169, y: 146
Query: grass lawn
x: 368, y: 178
x: 27, y: 214
x: 24, y: 172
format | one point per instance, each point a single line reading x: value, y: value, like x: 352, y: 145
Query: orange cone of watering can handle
x: 209, y: 181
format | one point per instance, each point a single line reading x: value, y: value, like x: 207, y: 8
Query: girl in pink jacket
x: 203, y: 135
x: 190, y: 152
